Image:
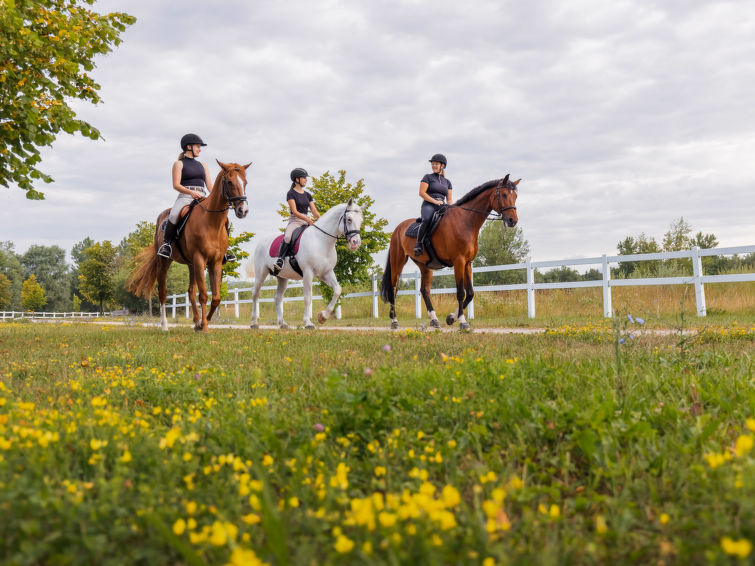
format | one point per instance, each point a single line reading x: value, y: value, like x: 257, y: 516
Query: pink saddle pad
x: 276, y: 246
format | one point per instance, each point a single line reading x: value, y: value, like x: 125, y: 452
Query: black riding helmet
x: 440, y: 158
x: 191, y: 139
x: 297, y: 173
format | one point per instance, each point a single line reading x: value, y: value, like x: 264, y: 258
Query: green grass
x: 127, y: 445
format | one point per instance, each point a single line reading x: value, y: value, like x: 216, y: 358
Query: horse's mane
x: 477, y: 190
x: 336, y: 209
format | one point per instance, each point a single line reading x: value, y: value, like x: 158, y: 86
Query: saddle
x: 293, y: 248
x: 413, y: 229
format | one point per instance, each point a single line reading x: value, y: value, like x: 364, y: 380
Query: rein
x: 346, y: 233
x: 226, y: 195
x: 495, y: 214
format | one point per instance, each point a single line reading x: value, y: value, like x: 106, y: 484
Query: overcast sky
x: 619, y: 116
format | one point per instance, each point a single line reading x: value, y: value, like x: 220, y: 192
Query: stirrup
x: 229, y: 256
x: 278, y: 265
x: 165, y: 250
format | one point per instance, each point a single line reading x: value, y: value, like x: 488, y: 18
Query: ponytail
x: 442, y: 170
x: 293, y: 184
x: 180, y: 156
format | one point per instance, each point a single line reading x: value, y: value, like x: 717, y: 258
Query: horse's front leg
x: 282, y: 284
x: 200, y: 324
x: 330, y: 280
x: 424, y: 289
x: 216, y: 272
x: 256, y: 298
x: 307, y: 283
x: 162, y: 292
x: 192, y: 292
x: 469, y: 292
x: 459, y: 267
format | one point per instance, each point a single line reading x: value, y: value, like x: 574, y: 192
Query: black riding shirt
x: 437, y: 186
x: 301, y: 200
x: 192, y: 174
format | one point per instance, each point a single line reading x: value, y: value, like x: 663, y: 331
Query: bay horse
x: 455, y: 244
x: 202, y: 243
x: 316, y: 257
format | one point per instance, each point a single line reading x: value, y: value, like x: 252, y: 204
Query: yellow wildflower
x: 343, y: 544
x: 179, y: 527
x: 600, y: 525
x: 740, y: 548
x: 743, y: 445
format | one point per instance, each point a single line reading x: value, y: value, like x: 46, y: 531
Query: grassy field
x: 661, y: 307
x: 580, y: 445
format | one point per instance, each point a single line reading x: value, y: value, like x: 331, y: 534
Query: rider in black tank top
x: 434, y: 189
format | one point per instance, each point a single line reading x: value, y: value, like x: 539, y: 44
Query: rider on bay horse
x: 299, y: 202
x: 434, y: 189
x: 191, y: 179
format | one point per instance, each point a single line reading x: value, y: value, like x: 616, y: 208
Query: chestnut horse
x: 455, y: 243
x: 202, y: 243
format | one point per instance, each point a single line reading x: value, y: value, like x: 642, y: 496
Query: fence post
x: 173, y: 306
x: 186, y: 300
x: 417, y: 302
x: 374, y: 296
x: 236, y: 303
x: 607, y: 304
x: 470, y: 306
x: 697, y: 270
x: 530, y: 289
x: 338, y: 311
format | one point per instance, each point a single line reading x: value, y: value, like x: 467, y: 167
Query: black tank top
x: 192, y: 174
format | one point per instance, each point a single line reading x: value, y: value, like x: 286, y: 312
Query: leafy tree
x: 352, y: 268
x: 704, y: 241
x: 96, y: 273
x: 77, y: 254
x: 640, y: 244
x: 48, y: 264
x: 712, y: 265
x: 677, y: 238
x: 593, y: 274
x: 230, y: 269
x: 499, y: 245
x: 11, y: 267
x: 5, y: 292
x: 47, y: 49
x: 32, y: 294
x: 561, y: 274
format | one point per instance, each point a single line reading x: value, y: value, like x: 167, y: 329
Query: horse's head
x: 504, y: 200
x: 234, y: 186
x: 352, y: 224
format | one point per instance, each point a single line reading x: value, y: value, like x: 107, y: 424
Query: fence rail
x: 698, y: 279
x: 15, y: 315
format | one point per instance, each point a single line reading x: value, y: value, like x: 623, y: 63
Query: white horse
x: 316, y: 258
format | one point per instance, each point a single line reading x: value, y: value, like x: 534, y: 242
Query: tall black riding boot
x: 168, y: 237
x: 278, y: 265
x: 229, y: 255
x: 419, y: 248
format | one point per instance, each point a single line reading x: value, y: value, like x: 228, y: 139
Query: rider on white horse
x: 299, y: 202
x: 316, y: 257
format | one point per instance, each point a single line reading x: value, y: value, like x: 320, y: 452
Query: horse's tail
x: 386, y: 284
x: 144, y: 276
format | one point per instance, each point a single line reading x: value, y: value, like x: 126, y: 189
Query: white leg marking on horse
x: 432, y: 315
x: 163, y: 318
x: 462, y: 320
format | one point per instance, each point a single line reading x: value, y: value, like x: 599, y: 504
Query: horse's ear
x: 223, y: 166
x: 516, y: 182
x: 247, y: 165
x: 351, y: 201
x: 505, y: 179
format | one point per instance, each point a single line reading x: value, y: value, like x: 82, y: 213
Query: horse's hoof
x: 450, y: 319
x: 464, y: 327
x: 284, y: 326
x: 435, y: 323
x: 321, y: 318
x: 394, y: 325
x: 254, y: 325
x: 309, y: 326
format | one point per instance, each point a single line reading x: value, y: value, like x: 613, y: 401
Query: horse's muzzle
x: 241, y: 210
x: 510, y: 222
x: 354, y: 243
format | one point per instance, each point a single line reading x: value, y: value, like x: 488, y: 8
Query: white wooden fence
x: 15, y: 315
x: 698, y: 279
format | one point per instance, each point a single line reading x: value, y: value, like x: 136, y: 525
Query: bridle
x: 493, y: 213
x: 347, y: 234
x: 230, y: 201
